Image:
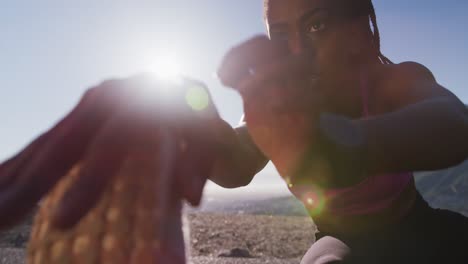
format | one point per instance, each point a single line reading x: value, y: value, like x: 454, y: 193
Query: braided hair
x: 376, y: 34
x: 357, y: 8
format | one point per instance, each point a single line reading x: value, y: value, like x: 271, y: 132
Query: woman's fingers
x: 291, y: 67
x: 132, y: 132
x: 10, y: 168
x: 102, y: 160
x: 38, y: 168
x: 44, y: 162
x: 8, y: 172
x: 197, y: 157
x: 249, y: 65
x: 195, y: 134
x: 243, y: 59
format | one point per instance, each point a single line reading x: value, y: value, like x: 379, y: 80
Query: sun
x: 166, y: 67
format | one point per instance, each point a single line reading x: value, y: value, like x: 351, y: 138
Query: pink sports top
x: 375, y: 194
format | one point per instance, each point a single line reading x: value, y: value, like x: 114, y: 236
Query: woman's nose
x: 296, y: 43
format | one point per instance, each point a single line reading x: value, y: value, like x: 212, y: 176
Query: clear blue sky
x: 51, y: 51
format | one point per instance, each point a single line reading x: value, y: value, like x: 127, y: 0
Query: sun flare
x: 166, y: 67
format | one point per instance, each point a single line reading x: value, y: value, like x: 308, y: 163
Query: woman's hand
x: 281, y: 97
x: 284, y: 108
x: 99, y: 132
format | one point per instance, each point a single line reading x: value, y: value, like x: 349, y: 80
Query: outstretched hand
x: 280, y: 94
x: 285, y: 103
x: 99, y: 132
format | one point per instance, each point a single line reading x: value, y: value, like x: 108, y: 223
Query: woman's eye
x: 316, y: 27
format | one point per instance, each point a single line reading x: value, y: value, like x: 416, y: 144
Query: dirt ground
x: 281, y: 237
x: 260, y: 239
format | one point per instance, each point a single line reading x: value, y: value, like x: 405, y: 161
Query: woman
x: 341, y: 124
x: 346, y: 127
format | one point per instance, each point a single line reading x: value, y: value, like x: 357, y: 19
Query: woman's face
x: 313, y: 26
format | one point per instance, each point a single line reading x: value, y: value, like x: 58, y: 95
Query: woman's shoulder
x: 403, y: 72
x: 408, y: 70
x: 394, y: 81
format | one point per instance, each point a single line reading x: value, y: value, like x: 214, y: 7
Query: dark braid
x: 376, y: 34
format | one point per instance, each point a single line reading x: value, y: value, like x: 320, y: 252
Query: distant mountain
x: 446, y: 189
x: 279, y: 205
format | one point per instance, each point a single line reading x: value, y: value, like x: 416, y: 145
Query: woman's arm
x: 426, y: 129
x: 429, y: 135
x: 240, y: 159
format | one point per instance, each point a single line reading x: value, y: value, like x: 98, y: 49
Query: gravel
x: 266, y: 239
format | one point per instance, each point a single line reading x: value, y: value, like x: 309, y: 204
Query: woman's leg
x: 326, y: 250
x: 425, y: 235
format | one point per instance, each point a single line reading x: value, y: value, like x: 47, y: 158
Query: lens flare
x: 197, y: 98
x: 314, y: 202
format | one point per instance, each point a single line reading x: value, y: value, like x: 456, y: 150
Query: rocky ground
x: 216, y: 238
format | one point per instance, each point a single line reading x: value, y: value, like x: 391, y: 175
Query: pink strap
x: 364, y: 94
